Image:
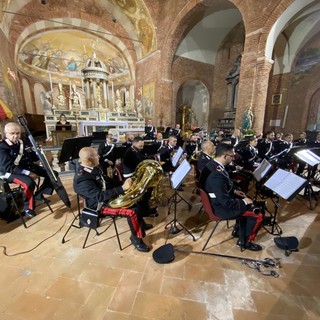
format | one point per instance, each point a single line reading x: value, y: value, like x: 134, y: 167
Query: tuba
x: 148, y: 174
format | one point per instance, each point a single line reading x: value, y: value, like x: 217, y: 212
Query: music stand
x: 313, y: 160
x: 286, y: 185
x: 260, y: 174
x: 175, y: 180
x: 71, y: 147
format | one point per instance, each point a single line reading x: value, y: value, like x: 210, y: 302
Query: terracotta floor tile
x: 45, y: 279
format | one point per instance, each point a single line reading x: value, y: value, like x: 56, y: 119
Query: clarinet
x: 55, y: 180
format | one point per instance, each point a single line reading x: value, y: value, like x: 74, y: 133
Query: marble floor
x: 41, y: 278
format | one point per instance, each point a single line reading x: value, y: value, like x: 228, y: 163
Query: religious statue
x: 98, y: 97
x: 128, y: 103
x: 139, y: 108
x: 119, y: 103
x: 61, y: 98
x: 186, y: 111
x: 75, y: 99
x: 247, y: 119
x: 46, y: 104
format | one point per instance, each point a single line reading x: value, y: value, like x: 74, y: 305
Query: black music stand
x: 71, y: 147
x: 313, y: 160
x: 260, y: 175
x: 175, y: 180
x: 286, y: 185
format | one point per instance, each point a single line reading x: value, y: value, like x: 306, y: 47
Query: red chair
x: 208, y: 209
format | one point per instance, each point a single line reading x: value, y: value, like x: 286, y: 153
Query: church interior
x: 114, y: 65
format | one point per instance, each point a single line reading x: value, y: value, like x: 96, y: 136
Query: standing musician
x: 97, y: 190
x: 227, y: 202
x: 131, y: 159
x: 150, y: 131
x: 18, y: 164
x: 166, y: 154
x: 105, y: 154
x: 265, y: 146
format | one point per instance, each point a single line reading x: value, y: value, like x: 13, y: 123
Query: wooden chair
x: 100, y: 217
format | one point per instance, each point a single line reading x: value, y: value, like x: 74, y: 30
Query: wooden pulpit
x: 58, y: 136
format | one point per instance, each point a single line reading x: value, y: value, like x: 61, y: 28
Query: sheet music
x: 285, y: 183
x: 177, y: 156
x: 308, y: 156
x: 181, y: 172
x: 262, y: 170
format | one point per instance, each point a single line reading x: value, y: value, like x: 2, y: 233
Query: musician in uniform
x: 265, y: 146
x: 284, y: 161
x: 301, y: 142
x: 105, y: 154
x: 235, y: 137
x: 206, y: 155
x: 18, y: 164
x: 166, y: 153
x: 228, y: 202
x: 128, y: 142
x: 150, y: 131
x: 192, y: 147
x: 159, y: 142
x: 316, y: 142
x: 176, y: 132
x: 249, y: 154
x: 97, y: 190
x: 131, y: 159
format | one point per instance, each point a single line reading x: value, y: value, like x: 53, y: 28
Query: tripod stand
x: 176, y: 180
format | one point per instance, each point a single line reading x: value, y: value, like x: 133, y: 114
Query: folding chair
x: 208, y: 209
x: 14, y: 207
x: 91, y: 226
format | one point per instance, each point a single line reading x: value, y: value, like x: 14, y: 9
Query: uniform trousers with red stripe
x: 133, y: 216
x: 28, y: 185
x: 250, y: 223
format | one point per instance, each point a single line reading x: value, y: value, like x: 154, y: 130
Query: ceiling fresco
x: 65, y: 53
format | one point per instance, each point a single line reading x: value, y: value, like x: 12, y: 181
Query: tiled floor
x: 41, y: 278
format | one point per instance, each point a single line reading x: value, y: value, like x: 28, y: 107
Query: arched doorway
x: 195, y: 94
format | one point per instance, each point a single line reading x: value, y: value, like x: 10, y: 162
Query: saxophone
x: 148, y: 174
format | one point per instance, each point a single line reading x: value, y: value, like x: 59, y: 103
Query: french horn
x: 148, y: 174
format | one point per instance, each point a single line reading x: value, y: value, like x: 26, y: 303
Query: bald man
x: 206, y: 154
x: 97, y: 189
x: 18, y: 165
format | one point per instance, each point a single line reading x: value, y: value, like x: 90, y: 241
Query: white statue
x: 119, y: 103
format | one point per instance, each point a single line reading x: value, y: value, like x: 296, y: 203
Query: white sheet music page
x: 177, y: 156
x: 262, y: 169
x: 284, y: 183
x: 308, y: 156
x: 180, y: 173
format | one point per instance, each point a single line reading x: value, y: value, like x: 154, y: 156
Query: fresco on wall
x: 65, y: 53
x: 308, y: 59
x: 148, y: 99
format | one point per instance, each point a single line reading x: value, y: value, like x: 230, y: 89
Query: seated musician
x: 206, y: 155
x: 265, y: 146
x: 316, y: 142
x: 18, y: 164
x: 166, y: 154
x: 63, y: 124
x: 302, y: 140
x: 150, y: 131
x: 131, y: 159
x: 249, y: 154
x: 128, y: 142
x: 105, y: 154
x: 159, y: 142
x: 176, y: 132
x: 97, y: 189
x: 226, y: 201
x: 192, y: 147
x: 235, y: 137
x: 284, y: 161
x: 277, y: 141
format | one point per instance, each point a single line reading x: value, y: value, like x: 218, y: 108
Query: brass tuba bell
x: 148, y: 174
